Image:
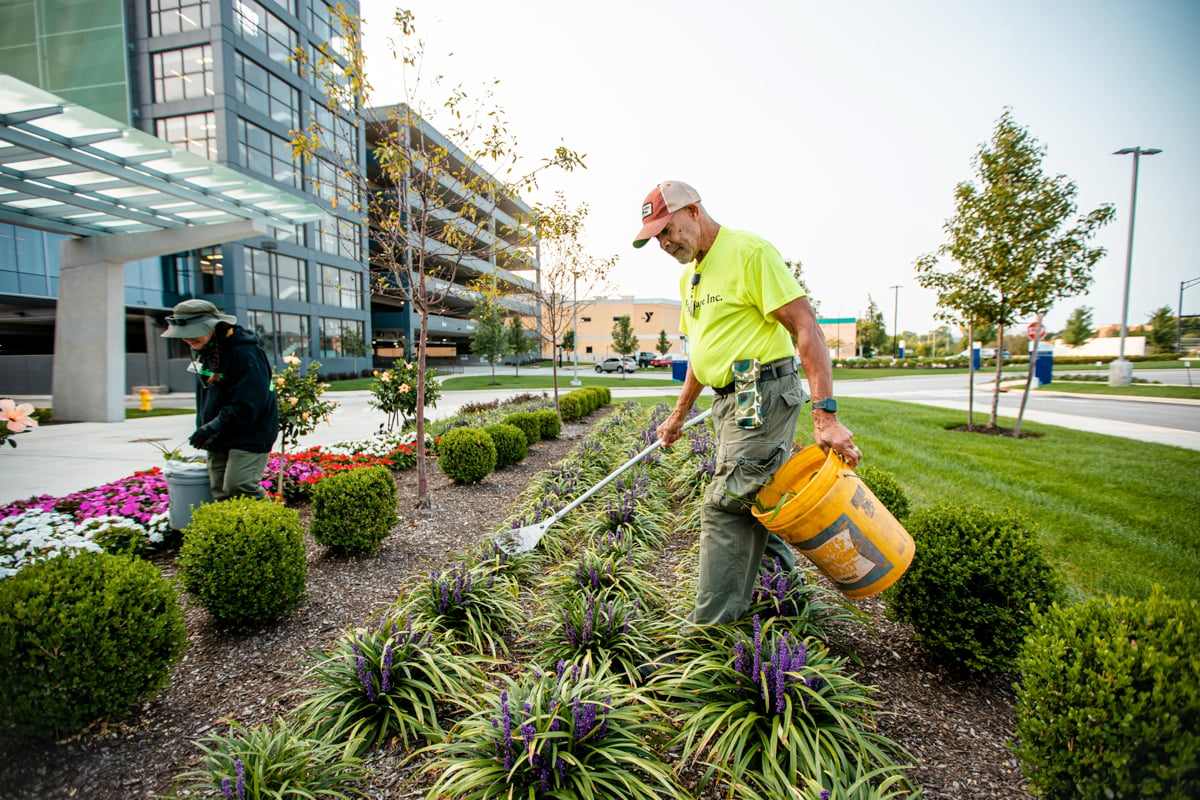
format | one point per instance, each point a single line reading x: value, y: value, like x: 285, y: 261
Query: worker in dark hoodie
x: 237, y: 415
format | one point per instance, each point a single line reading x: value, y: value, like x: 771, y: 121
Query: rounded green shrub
x: 510, y: 444
x: 81, y: 638
x: 975, y: 583
x: 353, y: 511
x: 243, y: 560
x: 529, y: 425
x: 571, y: 407
x: 884, y: 486
x: 549, y: 424
x: 467, y: 455
x: 1109, y: 700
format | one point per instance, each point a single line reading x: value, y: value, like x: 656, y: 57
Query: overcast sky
x: 839, y: 130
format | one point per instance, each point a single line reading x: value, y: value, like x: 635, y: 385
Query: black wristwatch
x: 828, y: 404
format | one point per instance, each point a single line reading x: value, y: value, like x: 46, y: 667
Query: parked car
x: 990, y: 352
x: 665, y: 361
x: 644, y: 358
x: 616, y: 364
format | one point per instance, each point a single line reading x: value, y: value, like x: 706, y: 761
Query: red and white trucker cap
x: 663, y: 201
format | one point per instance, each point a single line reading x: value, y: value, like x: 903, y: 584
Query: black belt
x: 767, y: 372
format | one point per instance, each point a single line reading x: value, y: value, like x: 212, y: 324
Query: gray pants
x: 236, y: 473
x: 732, y: 541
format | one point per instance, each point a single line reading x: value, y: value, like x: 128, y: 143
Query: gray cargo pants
x: 732, y: 541
x: 236, y: 473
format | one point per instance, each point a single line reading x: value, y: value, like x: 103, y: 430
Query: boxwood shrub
x: 354, y: 511
x: 549, y: 424
x: 885, y: 488
x: 243, y: 560
x: 510, y: 444
x: 974, y: 585
x: 467, y: 455
x: 1108, y: 704
x: 571, y: 407
x: 82, y: 638
x: 529, y: 425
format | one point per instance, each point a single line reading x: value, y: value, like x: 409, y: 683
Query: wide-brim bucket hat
x: 192, y: 319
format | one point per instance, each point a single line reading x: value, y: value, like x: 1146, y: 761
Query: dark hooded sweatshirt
x: 234, y: 392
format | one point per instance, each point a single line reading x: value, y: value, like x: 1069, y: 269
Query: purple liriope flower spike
x: 754, y: 676
x: 226, y: 789
x: 739, y: 658
x: 781, y: 666
x: 824, y: 794
x: 385, y: 678
x: 239, y: 771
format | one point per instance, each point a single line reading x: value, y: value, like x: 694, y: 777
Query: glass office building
x: 219, y: 79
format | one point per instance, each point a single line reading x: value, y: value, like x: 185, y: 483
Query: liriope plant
x: 469, y: 604
x: 614, y: 634
x: 558, y: 734
x: 808, y: 608
x: 389, y: 682
x: 767, y: 710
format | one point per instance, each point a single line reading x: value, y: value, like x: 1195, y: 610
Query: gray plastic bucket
x: 187, y: 488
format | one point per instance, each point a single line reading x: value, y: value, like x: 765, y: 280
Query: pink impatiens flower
x: 17, y: 417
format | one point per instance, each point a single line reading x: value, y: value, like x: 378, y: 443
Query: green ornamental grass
x: 472, y: 605
x: 373, y: 685
x: 561, y: 734
x: 762, y: 713
x: 616, y: 635
x: 273, y: 761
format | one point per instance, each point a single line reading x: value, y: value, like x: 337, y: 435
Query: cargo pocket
x: 744, y: 469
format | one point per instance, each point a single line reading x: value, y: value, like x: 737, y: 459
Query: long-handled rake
x: 520, y: 540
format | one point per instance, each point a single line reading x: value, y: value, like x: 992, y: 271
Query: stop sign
x: 1036, y: 330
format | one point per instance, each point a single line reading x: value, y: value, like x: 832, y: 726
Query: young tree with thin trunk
x: 1015, y: 239
x: 489, y: 339
x: 436, y: 199
x: 625, y: 341
x: 664, y: 344
x: 517, y: 341
x: 569, y: 273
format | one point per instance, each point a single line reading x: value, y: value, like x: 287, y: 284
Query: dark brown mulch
x: 955, y: 726
x: 996, y: 430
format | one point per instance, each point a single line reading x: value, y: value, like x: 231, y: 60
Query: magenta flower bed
x: 141, y: 497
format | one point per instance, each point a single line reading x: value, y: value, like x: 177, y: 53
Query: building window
x: 342, y: 338
x: 326, y: 27
x: 183, y: 74
x: 212, y: 270
x: 341, y: 238
x: 177, y: 16
x: 332, y: 184
x: 275, y: 275
x: 340, y: 287
x: 265, y: 91
x: 587, y: 349
x: 196, y: 133
x: 265, y: 31
x: 265, y: 153
x: 585, y: 319
x: 280, y: 334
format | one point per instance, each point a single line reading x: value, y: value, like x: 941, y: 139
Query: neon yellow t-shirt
x: 742, y: 280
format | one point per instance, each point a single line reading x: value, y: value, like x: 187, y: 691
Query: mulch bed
x: 956, y: 726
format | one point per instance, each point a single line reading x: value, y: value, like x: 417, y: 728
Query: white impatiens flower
x: 39, y: 535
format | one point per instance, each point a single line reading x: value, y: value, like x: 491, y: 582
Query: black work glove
x: 204, y: 436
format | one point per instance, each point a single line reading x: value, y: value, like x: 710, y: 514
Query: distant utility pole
x: 896, y: 321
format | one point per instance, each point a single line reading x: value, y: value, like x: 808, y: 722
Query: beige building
x: 650, y: 317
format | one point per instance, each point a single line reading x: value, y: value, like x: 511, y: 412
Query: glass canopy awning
x: 67, y: 169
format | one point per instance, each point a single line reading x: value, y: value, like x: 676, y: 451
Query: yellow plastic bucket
x: 817, y: 504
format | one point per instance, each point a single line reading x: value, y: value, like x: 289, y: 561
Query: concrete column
x: 89, y: 343
x: 89, y: 330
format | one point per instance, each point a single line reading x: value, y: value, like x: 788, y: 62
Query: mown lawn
x: 1116, y: 515
x: 1135, y: 390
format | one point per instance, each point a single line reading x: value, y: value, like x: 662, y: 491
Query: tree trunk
x: 995, y: 416
x: 422, y: 474
x: 1029, y: 376
x: 970, y: 376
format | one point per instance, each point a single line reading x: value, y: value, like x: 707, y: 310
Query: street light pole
x: 1121, y: 371
x: 896, y: 321
x: 1179, y: 317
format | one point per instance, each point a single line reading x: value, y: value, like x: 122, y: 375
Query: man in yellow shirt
x: 746, y: 318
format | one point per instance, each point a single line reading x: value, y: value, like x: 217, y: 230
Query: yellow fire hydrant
x: 147, y: 400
